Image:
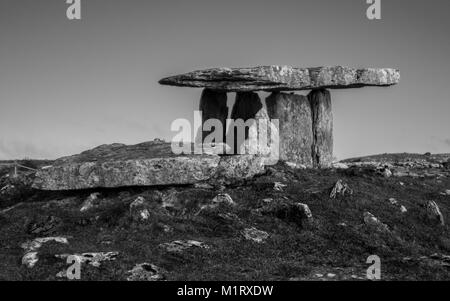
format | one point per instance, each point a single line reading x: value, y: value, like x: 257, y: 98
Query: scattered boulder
x: 146, y: 272
x: 31, y: 249
x: 30, y: 259
x: 91, y: 202
x: 403, y: 209
x: 296, y: 213
x: 94, y: 259
x: 447, y: 192
x: 283, y: 78
x: 180, y: 246
x: 255, y: 235
x: 395, y: 203
x: 340, y: 188
x: 44, y: 226
x: 277, y: 186
x: 434, y: 213
x: 304, y: 209
x: 221, y: 200
x: 387, y: 173
x: 371, y: 221
x: 340, y: 165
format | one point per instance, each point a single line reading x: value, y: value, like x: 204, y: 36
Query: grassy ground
x: 294, y: 250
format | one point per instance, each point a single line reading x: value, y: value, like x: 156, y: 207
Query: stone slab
x: 145, y: 164
x: 284, y: 78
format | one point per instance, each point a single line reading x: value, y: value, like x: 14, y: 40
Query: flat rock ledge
x: 284, y: 78
x: 145, y: 164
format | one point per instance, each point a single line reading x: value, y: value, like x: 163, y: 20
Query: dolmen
x: 303, y: 132
x: 305, y: 123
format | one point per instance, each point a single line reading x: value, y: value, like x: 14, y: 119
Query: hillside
x: 254, y: 230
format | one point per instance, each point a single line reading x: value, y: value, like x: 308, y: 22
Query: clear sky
x: 67, y: 86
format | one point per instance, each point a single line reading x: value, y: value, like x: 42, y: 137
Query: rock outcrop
x: 146, y: 272
x: 145, y: 164
x: 32, y: 247
x: 118, y: 165
x: 284, y: 78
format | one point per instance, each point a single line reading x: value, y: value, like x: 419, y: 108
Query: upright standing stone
x: 322, y: 116
x: 295, y: 126
x: 249, y: 108
x: 213, y: 105
x: 247, y: 105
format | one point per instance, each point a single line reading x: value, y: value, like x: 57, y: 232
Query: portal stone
x: 257, y: 136
x: 322, y: 116
x: 295, y: 126
x: 145, y: 164
x: 213, y: 105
